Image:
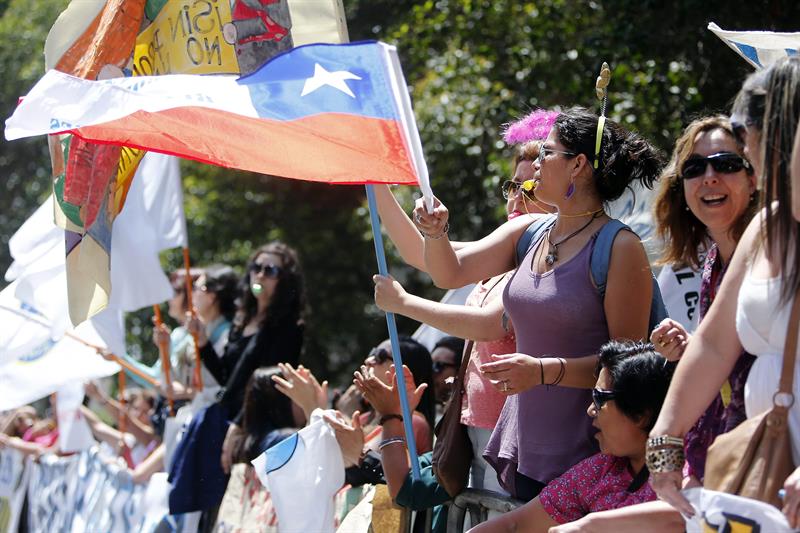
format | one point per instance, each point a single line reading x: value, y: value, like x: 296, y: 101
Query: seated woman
x: 631, y: 386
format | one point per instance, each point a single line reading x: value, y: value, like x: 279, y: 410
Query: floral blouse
x: 727, y: 409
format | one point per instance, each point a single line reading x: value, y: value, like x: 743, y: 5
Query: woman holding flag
x: 559, y: 317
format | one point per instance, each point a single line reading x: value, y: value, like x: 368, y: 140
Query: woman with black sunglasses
x: 706, y: 200
x: 267, y: 329
x: 632, y: 382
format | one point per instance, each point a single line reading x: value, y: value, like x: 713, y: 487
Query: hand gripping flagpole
x: 392, y: 326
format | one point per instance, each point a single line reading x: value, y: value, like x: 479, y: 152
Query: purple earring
x: 570, y: 191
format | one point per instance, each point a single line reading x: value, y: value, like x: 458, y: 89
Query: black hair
x: 640, y: 378
x: 288, y: 303
x: 625, y: 157
x: 223, y: 282
x: 265, y: 409
x: 418, y: 359
x: 454, y: 344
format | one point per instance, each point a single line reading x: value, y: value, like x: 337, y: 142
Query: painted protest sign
x: 186, y: 37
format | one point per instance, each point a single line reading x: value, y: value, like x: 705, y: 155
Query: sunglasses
x: 268, y: 270
x: 439, y: 366
x: 544, y: 151
x: 723, y: 163
x: 381, y: 355
x: 600, y: 397
x: 512, y: 188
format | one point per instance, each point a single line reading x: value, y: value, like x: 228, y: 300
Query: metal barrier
x: 478, y: 503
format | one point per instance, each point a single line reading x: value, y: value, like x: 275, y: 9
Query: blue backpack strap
x: 532, y: 235
x: 601, y: 257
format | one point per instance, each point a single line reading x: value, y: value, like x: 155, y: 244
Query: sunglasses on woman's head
x: 269, y: 270
x: 511, y: 188
x: 600, y: 397
x: 723, y: 163
x: 381, y: 355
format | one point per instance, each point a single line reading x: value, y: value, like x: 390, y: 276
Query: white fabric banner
x: 725, y: 513
x: 13, y: 483
x: 681, y: 292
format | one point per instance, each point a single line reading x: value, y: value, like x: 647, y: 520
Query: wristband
x: 440, y: 235
x: 386, y: 418
x: 393, y: 440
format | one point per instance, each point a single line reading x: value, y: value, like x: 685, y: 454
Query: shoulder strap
x: 601, y: 253
x: 601, y: 258
x: 532, y: 235
x: 790, y: 349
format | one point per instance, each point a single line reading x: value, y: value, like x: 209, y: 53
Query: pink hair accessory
x: 533, y: 127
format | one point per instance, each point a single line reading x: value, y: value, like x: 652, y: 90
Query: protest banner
x: 13, y: 485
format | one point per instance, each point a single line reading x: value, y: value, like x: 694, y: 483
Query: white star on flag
x: 334, y: 79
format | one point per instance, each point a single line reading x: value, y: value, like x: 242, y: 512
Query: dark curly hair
x: 640, y: 378
x: 288, y: 303
x: 625, y: 157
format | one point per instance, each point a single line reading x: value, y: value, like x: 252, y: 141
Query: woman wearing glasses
x: 559, y: 316
x: 752, y: 309
x: 631, y: 385
x: 706, y: 199
x: 480, y: 319
x: 267, y: 330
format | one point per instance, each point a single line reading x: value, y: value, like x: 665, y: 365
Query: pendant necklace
x: 552, y: 251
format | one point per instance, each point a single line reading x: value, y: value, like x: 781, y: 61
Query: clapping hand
x: 302, y: 387
x: 384, y: 398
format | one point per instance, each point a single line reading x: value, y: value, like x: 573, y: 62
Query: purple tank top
x: 544, y: 431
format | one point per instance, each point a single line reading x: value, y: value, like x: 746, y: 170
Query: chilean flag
x: 329, y: 113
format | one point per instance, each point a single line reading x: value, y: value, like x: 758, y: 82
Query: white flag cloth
x: 34, y: 307
x: 74, y: 434
x: 759, y: 48
x: 24, y: 331
x: 304, y: 472
x: 35, y: 376
x: 723, y: 513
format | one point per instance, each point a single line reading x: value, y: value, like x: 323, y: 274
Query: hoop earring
x: 570, y: 190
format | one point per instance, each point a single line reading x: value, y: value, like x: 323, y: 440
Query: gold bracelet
x: 664, y: 460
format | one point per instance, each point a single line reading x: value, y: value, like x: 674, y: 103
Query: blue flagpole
x: 380, y: 254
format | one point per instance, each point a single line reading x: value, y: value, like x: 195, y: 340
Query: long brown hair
x: 288, y: 303
x: 781, y: 114
x: 680, y: 230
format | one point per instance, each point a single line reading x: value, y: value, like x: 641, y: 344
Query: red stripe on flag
x: 332, y: 148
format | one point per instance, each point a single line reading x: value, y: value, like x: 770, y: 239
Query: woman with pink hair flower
x: 481, y: 319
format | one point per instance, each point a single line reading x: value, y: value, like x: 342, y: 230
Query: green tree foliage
x: 472, y: 66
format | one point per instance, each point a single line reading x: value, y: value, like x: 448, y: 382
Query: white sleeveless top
x: 761, y: 323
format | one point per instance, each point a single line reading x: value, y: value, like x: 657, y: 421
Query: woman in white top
x: 751, y: 309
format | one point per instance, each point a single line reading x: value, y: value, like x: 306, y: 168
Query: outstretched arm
x: 707, y: 361
x: 476, y: 323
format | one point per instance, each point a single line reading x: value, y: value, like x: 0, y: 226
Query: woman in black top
x: 267, y: 330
